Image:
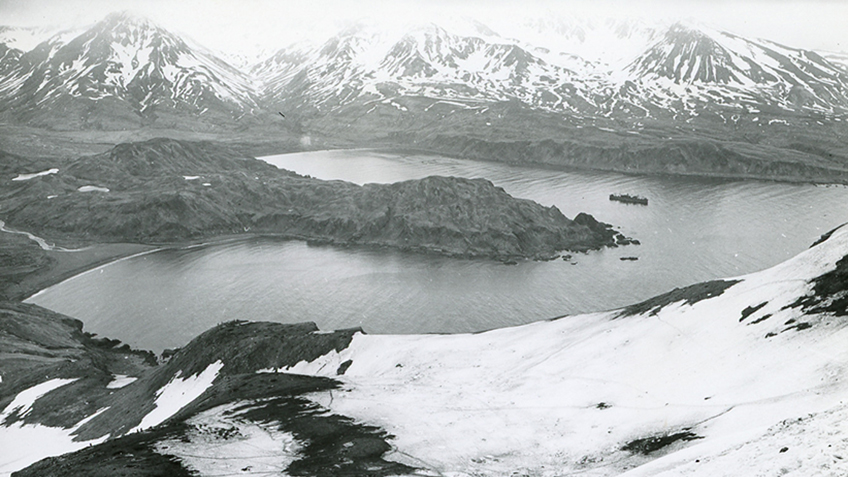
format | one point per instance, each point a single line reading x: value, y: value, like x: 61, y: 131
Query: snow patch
x: 91, y: 188
x: 22, y: 404
x: 177, y: 394
x: 24, y: 444
x: 26, y: 177
x: 121, y: 380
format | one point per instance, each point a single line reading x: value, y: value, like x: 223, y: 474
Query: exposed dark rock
x: 688, y: 295
x: 761, y: 319
x: 648, y: 445
x: 749, y: 310
x: 826, y: 236
x: 829, y: 293
x: 343, y: 367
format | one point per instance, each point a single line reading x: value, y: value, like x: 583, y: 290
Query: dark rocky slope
x: 164, y: 190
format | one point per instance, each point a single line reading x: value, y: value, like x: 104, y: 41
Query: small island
x: 629, y: 199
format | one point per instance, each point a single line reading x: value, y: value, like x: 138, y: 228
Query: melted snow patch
x: 177, y: 394
x: 91, y: 188
x: 26, y: 177
x: 120, y: 381
x: 220, y: 442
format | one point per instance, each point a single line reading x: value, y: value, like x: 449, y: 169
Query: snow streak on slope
x: 708, y: 371
x: 177, y: 394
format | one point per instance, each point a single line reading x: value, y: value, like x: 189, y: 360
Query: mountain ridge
x: 406, y: 88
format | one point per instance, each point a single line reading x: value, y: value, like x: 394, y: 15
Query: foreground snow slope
x: 584, y: 392
x: 702, y: 380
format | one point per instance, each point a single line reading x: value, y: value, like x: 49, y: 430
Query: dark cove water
x: 693, y: 230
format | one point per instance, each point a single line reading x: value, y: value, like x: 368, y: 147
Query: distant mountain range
x: 617, y: 83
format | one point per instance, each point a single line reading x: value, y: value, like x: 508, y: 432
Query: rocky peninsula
x: 166, y: 191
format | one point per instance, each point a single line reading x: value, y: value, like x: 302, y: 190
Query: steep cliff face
x: 164, y: 190
x: 698, y: 381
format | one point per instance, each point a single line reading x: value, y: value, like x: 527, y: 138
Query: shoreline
x: 65, y: 265
x: 695, y: 175
x: 69, y: 264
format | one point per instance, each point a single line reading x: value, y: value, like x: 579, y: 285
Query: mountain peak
x: 126, y: 17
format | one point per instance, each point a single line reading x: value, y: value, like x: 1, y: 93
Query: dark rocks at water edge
x: 165, y: 190
x: 629, y: 199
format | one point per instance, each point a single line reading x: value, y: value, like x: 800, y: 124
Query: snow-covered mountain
x: 27, y: 38
x: 569, y: 69
x: 729, y: 70
x: 428, y: 61
x: 618, y: 85
x: 124, y: 67
x: 584, y: 69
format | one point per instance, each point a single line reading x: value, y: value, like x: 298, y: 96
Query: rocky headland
x: 166, y: 191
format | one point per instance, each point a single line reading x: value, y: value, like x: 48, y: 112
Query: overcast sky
x: 817, y: 24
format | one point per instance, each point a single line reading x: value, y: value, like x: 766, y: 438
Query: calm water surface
x: 693, y: 230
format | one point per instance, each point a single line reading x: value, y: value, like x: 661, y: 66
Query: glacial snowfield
x: 743, y: 376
